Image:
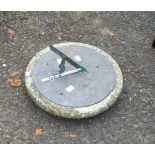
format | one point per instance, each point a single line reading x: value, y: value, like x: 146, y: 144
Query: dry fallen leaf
x: 11, y: 31
x: 39, y: 132
x: 111, y: 34
x: 14, y: 74
x: 15, y: 82
x: 72, y: 135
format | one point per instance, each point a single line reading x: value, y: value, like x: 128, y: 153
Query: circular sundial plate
x: 85, y: 88
x: 76, y: 91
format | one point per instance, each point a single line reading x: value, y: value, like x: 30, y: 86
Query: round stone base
x: 48, y: 96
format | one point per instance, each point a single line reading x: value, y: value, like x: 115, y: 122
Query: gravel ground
x: 127, y: 36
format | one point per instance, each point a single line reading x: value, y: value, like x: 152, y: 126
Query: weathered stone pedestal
x: 78, y: 95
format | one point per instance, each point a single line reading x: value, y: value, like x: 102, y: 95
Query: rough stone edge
x: 68, y: 112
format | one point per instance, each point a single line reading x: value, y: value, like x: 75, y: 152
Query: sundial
x: 73, y: 80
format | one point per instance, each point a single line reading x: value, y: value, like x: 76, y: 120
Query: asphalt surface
x: 130, y: 120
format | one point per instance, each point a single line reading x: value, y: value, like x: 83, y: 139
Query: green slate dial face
x: 88, y: 78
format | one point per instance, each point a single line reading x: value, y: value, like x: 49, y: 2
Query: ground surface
x: 127, y: 36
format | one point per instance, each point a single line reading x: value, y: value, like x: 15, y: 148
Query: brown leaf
x: 11, y: 31
x: 111, y: 34
x: 15, y: 82
x: 71, y: 135
x: 14, y: 74
x: 39, y: 132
